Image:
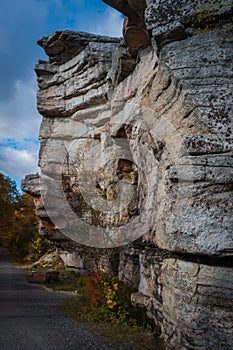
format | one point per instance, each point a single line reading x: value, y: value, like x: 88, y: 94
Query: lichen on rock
x: 136, y: 142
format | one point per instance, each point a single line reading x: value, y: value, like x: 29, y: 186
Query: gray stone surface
x: 194, y: 298
x: 62, y: 46
x: 168, y: 18
x: 134, y: 29
x: 160, y: 118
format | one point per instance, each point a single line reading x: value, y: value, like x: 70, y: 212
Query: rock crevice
x: 137, y: 135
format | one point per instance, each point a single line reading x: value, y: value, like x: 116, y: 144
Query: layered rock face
x: 137, y: 135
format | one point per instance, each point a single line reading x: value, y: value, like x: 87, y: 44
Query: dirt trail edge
x: 31, y: 318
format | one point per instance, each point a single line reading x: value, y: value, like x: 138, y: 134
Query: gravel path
x: 31, y: 319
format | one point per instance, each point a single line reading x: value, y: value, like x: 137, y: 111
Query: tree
x: 8, y: 198
x: 18, y: 225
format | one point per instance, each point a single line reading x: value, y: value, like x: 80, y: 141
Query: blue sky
x: 22, y: 23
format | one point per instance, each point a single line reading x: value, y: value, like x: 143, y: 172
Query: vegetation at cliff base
x: 105, y: 304
x: 18, y: 225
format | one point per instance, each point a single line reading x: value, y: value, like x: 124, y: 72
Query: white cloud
x: 19, y: 128
x: 17, y: 163
x: 19, y: 117
x: 111, y: 24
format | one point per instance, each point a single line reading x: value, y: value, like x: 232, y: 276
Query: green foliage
x: 121, y: 322
x: 109, y: 300
x: 18, y: 226
x: 105, y: 304
x: 69, y: 282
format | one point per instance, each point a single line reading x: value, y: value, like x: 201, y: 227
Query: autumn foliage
x: 93, y: 290
x: 18, y: 224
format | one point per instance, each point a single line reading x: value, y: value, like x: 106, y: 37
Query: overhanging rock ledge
x: 165, y: 93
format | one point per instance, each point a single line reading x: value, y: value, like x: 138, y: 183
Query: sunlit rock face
x: 136, y: 142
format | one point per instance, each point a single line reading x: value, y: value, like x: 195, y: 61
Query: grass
x: 129, y: 325
x: 69, y: 282
x: 137, y: 338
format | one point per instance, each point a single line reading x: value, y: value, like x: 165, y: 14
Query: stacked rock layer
x: 137, y: 135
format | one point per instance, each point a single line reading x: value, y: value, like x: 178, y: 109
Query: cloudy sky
x: 22, y: 23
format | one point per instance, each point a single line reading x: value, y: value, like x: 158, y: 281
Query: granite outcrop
x: 137, y: 135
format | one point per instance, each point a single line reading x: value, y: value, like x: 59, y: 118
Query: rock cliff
x: 136, y: 161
